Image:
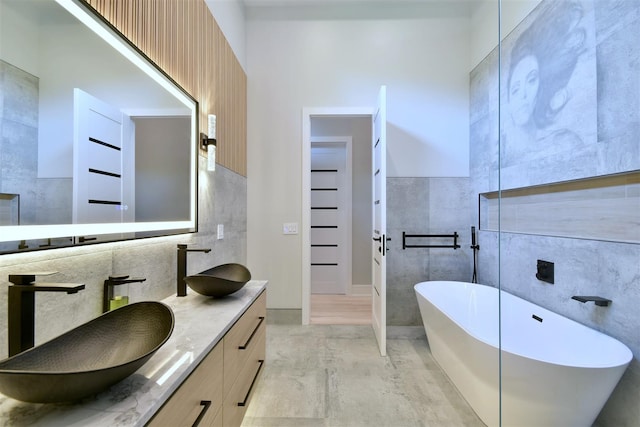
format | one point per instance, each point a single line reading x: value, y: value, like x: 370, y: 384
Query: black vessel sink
x: 219, y: 281
x: 89, y: 358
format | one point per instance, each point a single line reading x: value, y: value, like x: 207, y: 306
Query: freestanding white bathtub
x: 551, y: 371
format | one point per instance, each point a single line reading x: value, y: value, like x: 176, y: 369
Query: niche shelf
x: 9, y: 209
x: 598, y: 208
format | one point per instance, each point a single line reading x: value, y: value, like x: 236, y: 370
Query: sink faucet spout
x: 21, y: 298
x: 181, y: 285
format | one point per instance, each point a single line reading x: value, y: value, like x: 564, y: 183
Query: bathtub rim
x: 624, y: 349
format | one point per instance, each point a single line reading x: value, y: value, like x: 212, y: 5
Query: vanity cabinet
x: 244, y: 355
x: 200, y: 395
x: 219, y: 388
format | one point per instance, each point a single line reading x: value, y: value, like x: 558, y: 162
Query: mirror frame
x: 112, y: 36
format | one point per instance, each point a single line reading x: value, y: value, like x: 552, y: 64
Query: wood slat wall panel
x: 183, y: 38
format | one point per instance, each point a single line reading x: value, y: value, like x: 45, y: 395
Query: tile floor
x: 333, y: 376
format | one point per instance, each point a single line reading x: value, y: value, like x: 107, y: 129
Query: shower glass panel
x: 481, y: 384
x: 566, y: 151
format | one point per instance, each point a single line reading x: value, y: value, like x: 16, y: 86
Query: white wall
x: 23, y: 54
x: 229, y: 14
x: 484, y: 24
x: 341, y: 63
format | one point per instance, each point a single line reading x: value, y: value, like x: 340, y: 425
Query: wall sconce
x: 209, y: 143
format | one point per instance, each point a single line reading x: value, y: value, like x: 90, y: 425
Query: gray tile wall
x: 424, y: 206
x: 42, y: 201
x: 19, y: 137
x: 603, y: 110
x: 222, y: 200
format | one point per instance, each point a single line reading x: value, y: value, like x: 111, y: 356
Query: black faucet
x: 602, y: 302
x: 182, y: 268
x: 22, y: 297
x: 115, y: 281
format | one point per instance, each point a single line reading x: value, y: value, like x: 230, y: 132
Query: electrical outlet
x: 220, y: 231
x: 290, y: 228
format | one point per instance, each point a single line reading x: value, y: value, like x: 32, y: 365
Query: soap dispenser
x: 120, y: 296
x: 116, y: 291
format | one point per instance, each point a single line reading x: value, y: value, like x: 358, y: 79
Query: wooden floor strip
x: 340, y: 310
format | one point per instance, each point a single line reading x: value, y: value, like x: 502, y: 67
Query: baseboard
x: 284, y: 316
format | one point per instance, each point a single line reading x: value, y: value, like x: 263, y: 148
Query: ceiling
x: 358, y: 9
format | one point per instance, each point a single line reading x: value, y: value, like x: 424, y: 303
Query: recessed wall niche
x: 598, y: 208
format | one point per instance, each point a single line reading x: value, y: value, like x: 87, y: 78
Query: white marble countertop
x: 200, y: 323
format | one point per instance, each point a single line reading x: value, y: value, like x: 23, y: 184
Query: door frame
x: 307, y: 114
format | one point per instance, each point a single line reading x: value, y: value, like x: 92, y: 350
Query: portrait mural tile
x: 569, y: 86
x: 548, y: 94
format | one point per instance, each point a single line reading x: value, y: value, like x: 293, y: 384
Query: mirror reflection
x: 91, y: 145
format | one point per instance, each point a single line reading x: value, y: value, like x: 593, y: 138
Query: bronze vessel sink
x: 89, y: 358
x: 219, y: 281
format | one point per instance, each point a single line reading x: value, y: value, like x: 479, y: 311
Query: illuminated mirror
x: 97, y: 143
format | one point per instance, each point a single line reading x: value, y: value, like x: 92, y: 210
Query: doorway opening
x: 337, y: 218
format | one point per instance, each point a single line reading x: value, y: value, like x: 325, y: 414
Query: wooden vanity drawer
x: 235, y: 403
x: 246, y: 335
x: 204, y: 384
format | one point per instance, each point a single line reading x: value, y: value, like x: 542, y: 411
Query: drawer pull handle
x: 244, y: 347
x: 244, y: 402
x: 205, y: 407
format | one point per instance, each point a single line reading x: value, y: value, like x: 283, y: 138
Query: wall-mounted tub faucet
x: 182, y: 268
x: 602, y: 302
x: 22, y: 297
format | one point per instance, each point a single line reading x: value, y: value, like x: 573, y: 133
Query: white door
x: 379, y: 300
x: 102, y: 177
x: 330, y: 218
